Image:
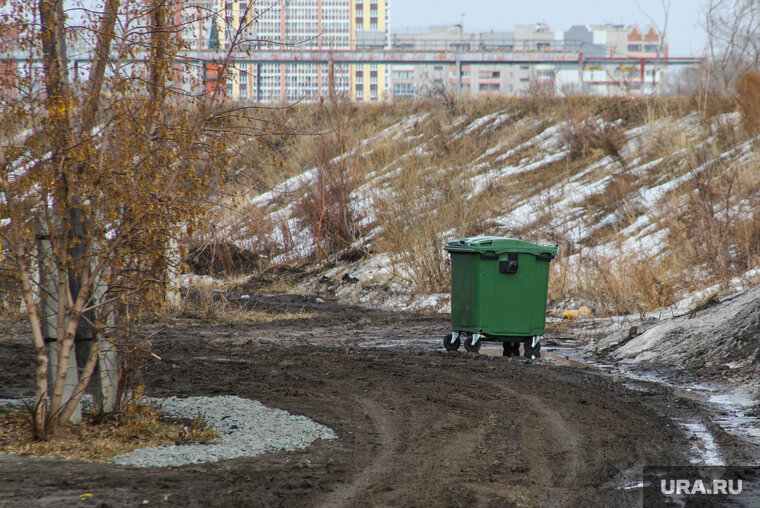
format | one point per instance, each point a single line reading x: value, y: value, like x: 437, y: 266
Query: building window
x: 403, y: 89
x: 634, y: 48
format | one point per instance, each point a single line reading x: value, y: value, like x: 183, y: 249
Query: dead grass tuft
x: 210, y: 303
x: 97, y: 440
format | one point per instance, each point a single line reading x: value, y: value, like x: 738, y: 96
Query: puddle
x: 558, y: 359
x: 733, y: 417
x: 704, y: 448
x: 551, y: 354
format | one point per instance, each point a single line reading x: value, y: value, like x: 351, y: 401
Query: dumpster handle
x: 489, y: 255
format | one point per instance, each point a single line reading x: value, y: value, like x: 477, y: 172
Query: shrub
x: 748, y: 100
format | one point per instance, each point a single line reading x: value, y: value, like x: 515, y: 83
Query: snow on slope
x: 513, y: 148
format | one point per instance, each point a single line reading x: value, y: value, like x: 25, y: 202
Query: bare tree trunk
x: 39, y: 415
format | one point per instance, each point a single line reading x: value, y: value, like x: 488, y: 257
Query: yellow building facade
x: 369, y: 29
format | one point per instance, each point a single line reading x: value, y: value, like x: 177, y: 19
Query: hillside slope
x: 651, y: 202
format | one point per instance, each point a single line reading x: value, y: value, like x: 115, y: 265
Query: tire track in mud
x: 567, y: 440
x: 394, y: 444
x: 383, y: 461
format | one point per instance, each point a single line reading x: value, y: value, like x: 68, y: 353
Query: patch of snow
x: 289, y: 186
x: 481, y: 122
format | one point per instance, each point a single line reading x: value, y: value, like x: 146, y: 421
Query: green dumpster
x: 498, y: 293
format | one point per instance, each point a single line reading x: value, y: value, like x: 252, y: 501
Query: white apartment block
x: 512, y: 79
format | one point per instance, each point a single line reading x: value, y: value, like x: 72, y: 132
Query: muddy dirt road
x: 416, y: 427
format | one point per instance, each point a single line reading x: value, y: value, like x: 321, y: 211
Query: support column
x: 331, y: 77
x: 459, y: 77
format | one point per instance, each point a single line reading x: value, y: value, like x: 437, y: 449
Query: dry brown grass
x: 97, y: 440
x: 325, y: 206
x: 624, y: 284
x: 208, y: 302
x: 424, y: 189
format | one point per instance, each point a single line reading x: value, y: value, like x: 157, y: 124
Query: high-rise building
x: 370, y: 29
x: 328, y: 25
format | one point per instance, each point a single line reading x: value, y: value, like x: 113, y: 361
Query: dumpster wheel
x: 452, y: 345
x: 470, y: 347
x: 532, y: 348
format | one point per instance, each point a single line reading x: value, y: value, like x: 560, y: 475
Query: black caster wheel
x: 470, y: 347
x: 530, y: 351
x: 451, y: 345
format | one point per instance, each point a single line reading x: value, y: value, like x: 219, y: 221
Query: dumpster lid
x: 499, y: 245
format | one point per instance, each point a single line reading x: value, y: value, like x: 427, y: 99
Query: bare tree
x: 733, y: 38
x: 97, y: 176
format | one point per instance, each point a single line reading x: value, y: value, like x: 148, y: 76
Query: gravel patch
x: 248, y: 428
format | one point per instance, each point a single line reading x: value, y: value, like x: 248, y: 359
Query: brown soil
x: 416, y: 426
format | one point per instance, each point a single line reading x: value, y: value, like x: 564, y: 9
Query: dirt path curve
x: 381, y: 463
x: 416, y: 427
x: 551, y: 427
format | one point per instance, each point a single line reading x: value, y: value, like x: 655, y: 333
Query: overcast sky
x: 685, y: 32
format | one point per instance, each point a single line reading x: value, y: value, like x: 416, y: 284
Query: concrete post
x: 172, y: 274
x: 48, y: 277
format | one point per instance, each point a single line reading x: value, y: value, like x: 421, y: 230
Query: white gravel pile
x: 247, y: 428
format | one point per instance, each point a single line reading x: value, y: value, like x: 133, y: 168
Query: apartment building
x: 371, y: 30
x: 508, y: 79
x: 296, y: 25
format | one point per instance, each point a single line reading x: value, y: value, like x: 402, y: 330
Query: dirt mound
x: 719, y: 341
x: 222, y: 259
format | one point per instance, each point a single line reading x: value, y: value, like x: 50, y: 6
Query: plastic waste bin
x: 498, y: 293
